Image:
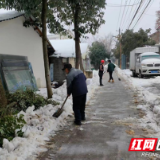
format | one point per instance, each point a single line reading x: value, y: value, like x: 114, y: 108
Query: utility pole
x: 120, y: 48
x: 120, y: 44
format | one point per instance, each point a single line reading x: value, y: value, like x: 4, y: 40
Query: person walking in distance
x: 110, y: 70
x: 76, y: 85
x: 101, y: 70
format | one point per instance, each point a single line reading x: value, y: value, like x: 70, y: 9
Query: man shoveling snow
x: 76, y: 85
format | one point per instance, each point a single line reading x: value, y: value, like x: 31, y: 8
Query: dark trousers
x: 79, y: 103
x: 111, y: 77
x: 100, y: 77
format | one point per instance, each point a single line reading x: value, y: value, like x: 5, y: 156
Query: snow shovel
x: 118, y: 76
x: 60, y: 110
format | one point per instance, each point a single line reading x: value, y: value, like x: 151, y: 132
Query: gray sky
x: 121, y: 16
x: 113, y: 16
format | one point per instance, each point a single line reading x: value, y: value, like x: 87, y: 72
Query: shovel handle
x: 64, y: 102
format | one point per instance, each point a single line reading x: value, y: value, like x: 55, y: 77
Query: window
x: 150, y: 56
x: 65, y: 60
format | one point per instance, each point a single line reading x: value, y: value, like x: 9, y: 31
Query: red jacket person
x: 101, y: 70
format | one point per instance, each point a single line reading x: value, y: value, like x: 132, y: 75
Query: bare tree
x: 157, y: 20
x: 107, y: 40
x: 108, y: 43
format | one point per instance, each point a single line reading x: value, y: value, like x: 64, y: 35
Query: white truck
x: 145, y: 61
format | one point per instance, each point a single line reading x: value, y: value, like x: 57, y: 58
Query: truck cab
x: 145, y: 61
x: 148, y: 64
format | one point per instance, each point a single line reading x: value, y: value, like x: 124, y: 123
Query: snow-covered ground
x: 148, y: 90
x: 41, y: 125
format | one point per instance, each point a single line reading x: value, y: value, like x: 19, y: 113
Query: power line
x: 119, y: 15
x: 147, y: 9
x: 132, y: 9
x: 136, y: 13
x: 123, y: 13
x: 142, y: 13
x: 114, y: 5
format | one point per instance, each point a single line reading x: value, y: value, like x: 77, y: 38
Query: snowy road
x: 111, y: 123
x: 152, y: 84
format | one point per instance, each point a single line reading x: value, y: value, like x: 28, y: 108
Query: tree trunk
x: 77, y: 49
x: 45, y: 52
x: 79, y: 63
x: 81, y: 60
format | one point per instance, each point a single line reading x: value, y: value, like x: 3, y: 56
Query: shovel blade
x: 58, y: 113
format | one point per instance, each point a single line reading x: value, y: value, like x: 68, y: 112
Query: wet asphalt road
x: 99, y: 138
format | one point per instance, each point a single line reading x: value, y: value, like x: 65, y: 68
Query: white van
x: 145, y: 64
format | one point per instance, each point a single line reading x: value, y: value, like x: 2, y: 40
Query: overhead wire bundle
x: 131, y: 12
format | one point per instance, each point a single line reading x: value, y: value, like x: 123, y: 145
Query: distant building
x: 64, y: 53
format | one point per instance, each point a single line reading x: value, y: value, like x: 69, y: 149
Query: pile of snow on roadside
x: 40, y: 124
x: 151, y: 100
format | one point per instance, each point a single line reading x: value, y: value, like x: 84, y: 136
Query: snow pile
x: 151, y: 100
x: 58, y: 94
x: 40, y: 124
x: 92, y: 85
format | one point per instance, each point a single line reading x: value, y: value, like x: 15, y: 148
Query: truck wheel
x: 133, y: 74
x: 140, y: 74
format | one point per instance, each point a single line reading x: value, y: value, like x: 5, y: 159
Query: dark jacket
x: 101, y: 68
x: 76, y: 83
x: 111, y: 67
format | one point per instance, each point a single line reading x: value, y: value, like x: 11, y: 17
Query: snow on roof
x: 145, y: 49
x: 66, y: 47
x: 8, y: 15
x: 149, y: 53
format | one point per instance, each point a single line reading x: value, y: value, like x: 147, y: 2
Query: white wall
x: 15, y: 39
x: 72, y: 61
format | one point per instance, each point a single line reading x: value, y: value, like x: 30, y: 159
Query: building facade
x: 15, y: 39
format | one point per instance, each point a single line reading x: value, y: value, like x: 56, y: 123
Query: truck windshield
x: 150, y: 56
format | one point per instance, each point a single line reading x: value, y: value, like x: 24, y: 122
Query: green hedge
x: 27, y: 99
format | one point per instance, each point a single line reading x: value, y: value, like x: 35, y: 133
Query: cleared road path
x: 99, y: 138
